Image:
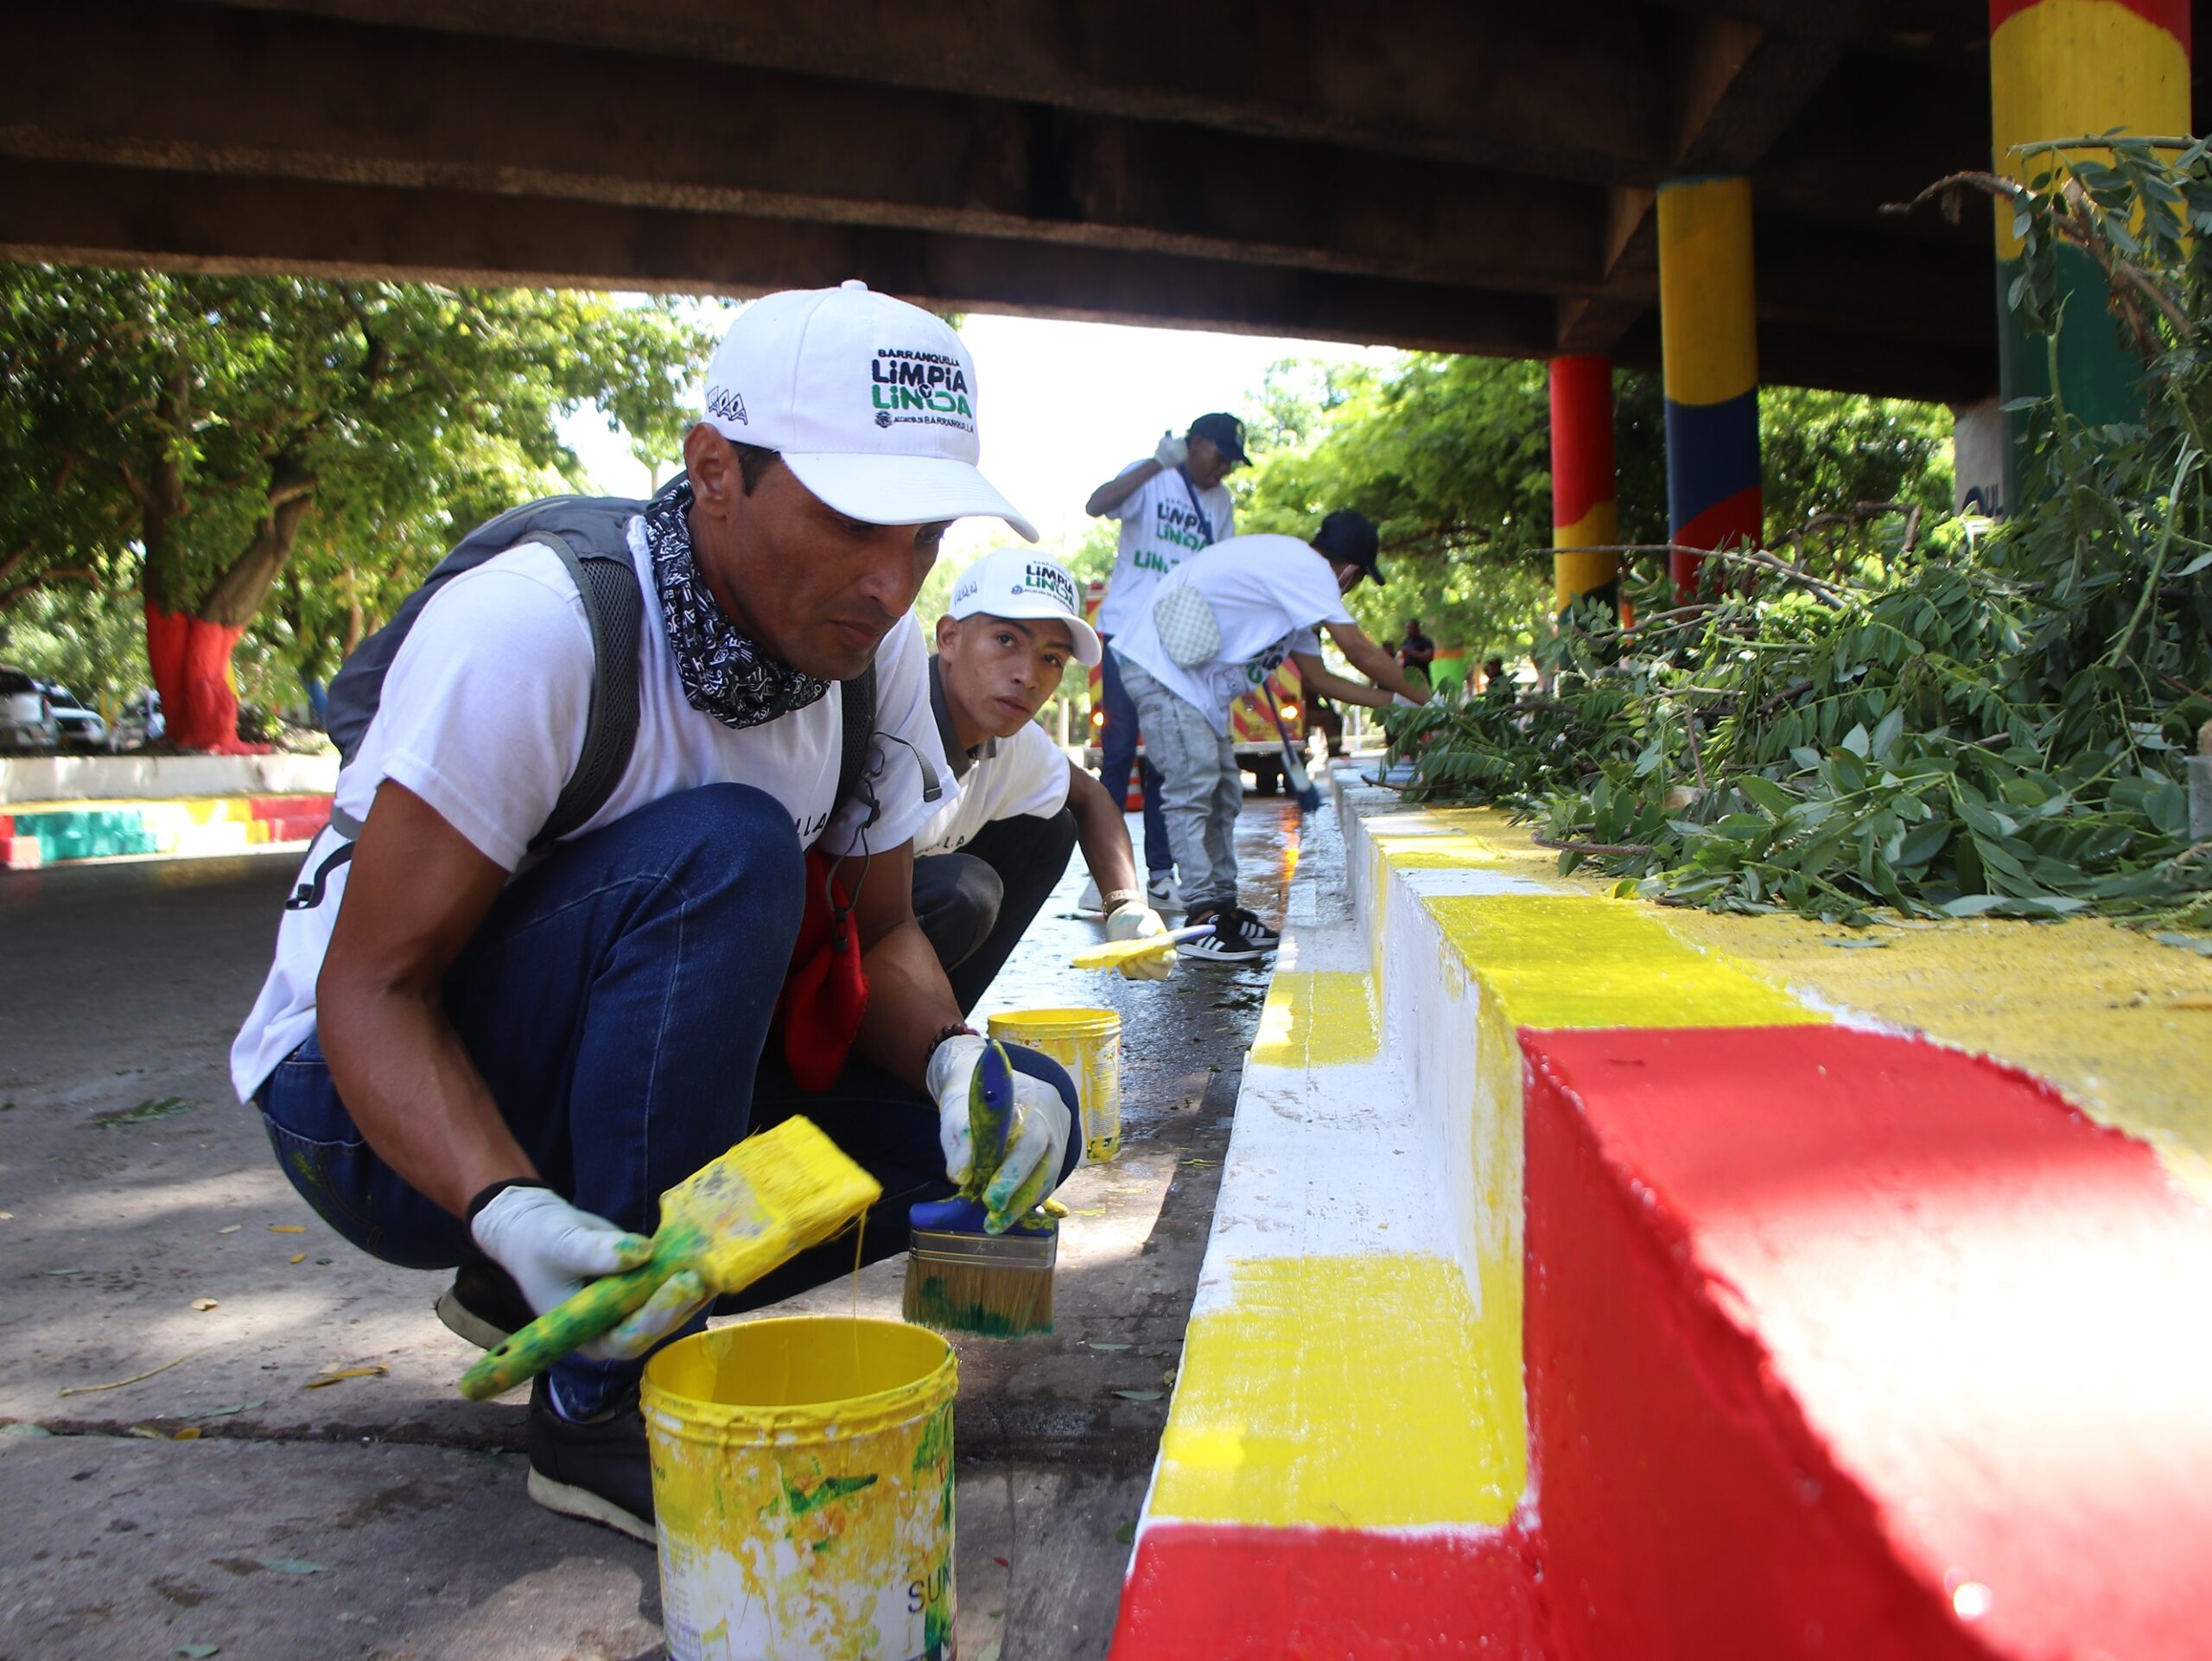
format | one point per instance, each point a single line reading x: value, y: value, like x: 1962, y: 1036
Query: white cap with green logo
x: 871, y: 402
x: 1014, y: 583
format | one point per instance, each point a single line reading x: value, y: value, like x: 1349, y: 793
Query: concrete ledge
x: 35, y: 835
x: 1578, y: 1288
x: 130, y: 778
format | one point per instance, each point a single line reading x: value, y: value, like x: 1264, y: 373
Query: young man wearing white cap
x: 1218, y: 627
x: 984, y: 865
x: 499, y: 1024
x: 1170, y: 505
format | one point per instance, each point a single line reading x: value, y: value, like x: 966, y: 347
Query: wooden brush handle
x: 598, y: 1308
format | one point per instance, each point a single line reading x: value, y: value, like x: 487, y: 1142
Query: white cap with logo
x: 871, y: 402
x: 1014, y: 583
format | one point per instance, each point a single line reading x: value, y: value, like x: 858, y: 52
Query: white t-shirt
x: 1025, y: 773
x: 1160, y: 529
x: 483, y: 714
x: 1268, y: 594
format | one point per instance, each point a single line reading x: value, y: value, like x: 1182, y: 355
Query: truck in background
x: 1259, y: 746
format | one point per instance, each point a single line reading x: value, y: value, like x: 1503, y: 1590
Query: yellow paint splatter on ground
x: 2091, y: 1007
x: 1575, y: 960
x: 1317, y: 1018
x: 1345, y: 1392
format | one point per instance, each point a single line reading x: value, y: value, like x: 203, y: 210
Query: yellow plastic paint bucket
x: 1088, y: 1043
x: 803, y: 1484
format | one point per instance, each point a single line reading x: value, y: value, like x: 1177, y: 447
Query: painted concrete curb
x: 27, y: 778
x: 1575, y: 1290
x: 35, y: 835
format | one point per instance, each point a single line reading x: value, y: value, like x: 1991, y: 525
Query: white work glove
x: 551, y: 1249
x: 1171, y: 453
x: 1036, y: 1141
x: 1134, y: 921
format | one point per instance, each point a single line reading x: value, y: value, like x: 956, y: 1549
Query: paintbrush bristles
x: 997, y: 1301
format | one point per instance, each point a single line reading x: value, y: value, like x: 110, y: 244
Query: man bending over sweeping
x: 627, y: 807
x: 985, y: 863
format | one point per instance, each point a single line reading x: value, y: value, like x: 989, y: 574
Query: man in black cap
x: 1215, y: 628
x: 1171, y: 505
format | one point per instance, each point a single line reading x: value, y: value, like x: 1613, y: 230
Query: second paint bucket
x: 803, y: 1484
x: 1088, y: 1043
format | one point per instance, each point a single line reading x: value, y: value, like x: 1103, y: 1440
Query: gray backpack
x: 590, y: 534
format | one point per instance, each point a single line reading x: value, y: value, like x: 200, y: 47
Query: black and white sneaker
x: 1269, y: 937
x: 597, y: 1469
x: 1160, y: 889
x: 1230, y: 941
x: 483, y: 1305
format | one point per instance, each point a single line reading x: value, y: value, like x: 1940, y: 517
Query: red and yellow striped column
x: 1584, y: 514
x: 1709, y: 336
x: 2060, y: 69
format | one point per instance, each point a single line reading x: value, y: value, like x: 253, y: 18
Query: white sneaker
x: 1161, y: 891
x: 1088, y: 903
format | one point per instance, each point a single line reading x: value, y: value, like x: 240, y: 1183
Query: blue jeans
x: 1117, y: 752
x: 616, y: 1000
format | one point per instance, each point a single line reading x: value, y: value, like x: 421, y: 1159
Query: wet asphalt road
x: 134, y: 1185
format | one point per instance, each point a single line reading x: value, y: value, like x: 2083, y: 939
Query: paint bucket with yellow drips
x: 1088, y: 1043
x: 803, y: 1484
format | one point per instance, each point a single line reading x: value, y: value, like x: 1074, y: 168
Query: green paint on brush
x: 937, y: 1309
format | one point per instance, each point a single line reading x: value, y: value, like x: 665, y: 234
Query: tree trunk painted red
x: 191, y: 660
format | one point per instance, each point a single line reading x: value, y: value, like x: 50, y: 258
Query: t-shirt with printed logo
x: 483, y: 717
x: 1268, y: 594
x: 1160, y: 529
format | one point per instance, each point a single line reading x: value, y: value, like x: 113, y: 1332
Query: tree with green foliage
x: 1450, y: 457
x: 193, y: 437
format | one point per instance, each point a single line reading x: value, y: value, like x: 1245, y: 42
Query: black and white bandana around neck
x: 725, y: 674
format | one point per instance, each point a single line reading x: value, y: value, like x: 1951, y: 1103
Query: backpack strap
x: 614, y: 604
x: 859, y: 699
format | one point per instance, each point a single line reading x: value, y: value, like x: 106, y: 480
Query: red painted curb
x: 1203, y: 1593
x: 1843, y: 1344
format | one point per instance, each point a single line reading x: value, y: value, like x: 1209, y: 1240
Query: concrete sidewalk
x: 380, y: 1515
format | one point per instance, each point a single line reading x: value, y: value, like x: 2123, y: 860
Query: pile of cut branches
x: 1941, y: 725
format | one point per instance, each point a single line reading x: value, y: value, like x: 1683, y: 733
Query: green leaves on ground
x: 159, y: 1107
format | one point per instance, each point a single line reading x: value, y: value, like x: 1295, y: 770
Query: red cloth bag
x: 825, y: 992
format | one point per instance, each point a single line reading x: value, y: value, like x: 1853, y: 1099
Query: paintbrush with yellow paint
x: 1112, y: 954
x: 960, y: 1276
x: 756, y: 1206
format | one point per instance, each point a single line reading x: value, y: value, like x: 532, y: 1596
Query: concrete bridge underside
x: 1467, y: 177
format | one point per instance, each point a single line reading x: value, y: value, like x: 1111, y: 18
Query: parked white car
x: 27, y: 720
x: 81, y: 727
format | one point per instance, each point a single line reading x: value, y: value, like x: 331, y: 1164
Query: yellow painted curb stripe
x: 1343, y: 1392
x: 1574, y: 960
x: 1317, y: 1018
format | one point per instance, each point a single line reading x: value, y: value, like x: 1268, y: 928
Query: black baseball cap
x: 1226, y: 431
x: 1351, y: 539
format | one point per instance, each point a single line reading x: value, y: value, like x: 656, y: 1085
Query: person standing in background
x: 1170, y: 506
x: 1416, y: 652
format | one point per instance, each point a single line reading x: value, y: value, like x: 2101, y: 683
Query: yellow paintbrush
x: 732, y: 1221
x: 1112, y: 954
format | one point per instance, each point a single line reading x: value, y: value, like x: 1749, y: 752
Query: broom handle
x: 597, y: 1308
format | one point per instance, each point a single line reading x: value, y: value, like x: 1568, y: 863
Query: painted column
x: 1583, y: 511
x: 2058, y: 68
x: 1708, y: 334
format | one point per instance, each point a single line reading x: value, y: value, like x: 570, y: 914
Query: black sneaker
x: 484, y: 1305
x: 598, y: 1470
x: 1230, y: 942
x: 1269, y: 937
